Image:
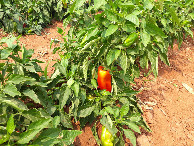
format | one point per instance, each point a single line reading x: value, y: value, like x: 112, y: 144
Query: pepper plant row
x: 107, y: 43
x: 120, y: 36
x: 29, y: 16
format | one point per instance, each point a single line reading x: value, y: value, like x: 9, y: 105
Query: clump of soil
x: 167, y: 101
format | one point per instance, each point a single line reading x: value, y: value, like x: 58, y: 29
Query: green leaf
x: 26, y: 54
x: 64, y: 63
x: 98, y: 4
x: 145, y: 37
x: 48, y: 137
x: 32, y: 114
x: 79, y: 3
x: 56, y: 73
x: 45, y: 70
x: 94, y: 83
x: 132, y: 126
x: 123, y: 62
x: 148, y: 4
x: 112, y: 55
x: 86, y: 111
x: 129, y: 27
x: 69, y: 136
x: 161, y: 4
x: 27, y: 136
x: 40, y: 124
x: 188, y: 30
x: 153, y: 57
x: 121, y: 141
x: 154, y: 30
x: 10, y: 124
x: 47, y: 141
x: 191, y: 15
x: 135, y: 118
x: 144, y: 61
x: 164, y: 22
x: 124, y: 109
x: 41, y: 92
x: 92, y: 32
x: 135, y: 71
x: 60, y: 31
x: 16, y: 79
x: 10, y: 42
x: 164, y: 58
x: 144, y: 125
x: 130, y: 135
x: 85, y: 68
x: 175, y: 18
x: 75, y: 88
x: 56, y: 121
x: 111, y: 29
x: 82, y: 95
x: 124, y: 100
x: 64, y: 96
x: 30, y: 93
x: 110, y: 16
x: 70, y: 82
x: 95, y: 134
x: 14, y: 102
x: 5, y: 53
x: 33, y: 129
x: 133, y: 18
x: 109, y: 110
x: 65, y: 120
x: 104, y: 121
x: 4, y: 138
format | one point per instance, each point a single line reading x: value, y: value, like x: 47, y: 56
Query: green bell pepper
x: 106, y: 137
x: 130, y: 40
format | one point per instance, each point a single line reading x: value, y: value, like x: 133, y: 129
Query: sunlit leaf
x: 154, y: 30
x: 30, y: 93
x: 111, y: 29
x: 69, y: 136
x: 133, y: 18
x: 11, y: 90
x: 84, y: 112
x: 130, y: 135
x: 112, y: 55
x: 10, y: 124
x: 64, y: 96
x: 123, y: 62
x: 98, y: 3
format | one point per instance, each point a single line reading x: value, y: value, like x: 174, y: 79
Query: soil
x: 167, y: 101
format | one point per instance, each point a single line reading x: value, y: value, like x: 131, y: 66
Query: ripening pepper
x: 130, y: 40
x: 104, y: 79
x: 106, y: 137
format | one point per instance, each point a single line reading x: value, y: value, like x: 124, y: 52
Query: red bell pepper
x: 104, y: 79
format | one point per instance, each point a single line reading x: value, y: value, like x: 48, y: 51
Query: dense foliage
x: 122, y: 36
x: 28, y: 16
x: 28, y: 105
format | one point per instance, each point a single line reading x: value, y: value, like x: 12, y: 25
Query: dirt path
x: 168, y: 106
x: 41, y: 45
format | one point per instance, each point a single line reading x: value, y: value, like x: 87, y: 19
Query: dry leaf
x: 188, y: 88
